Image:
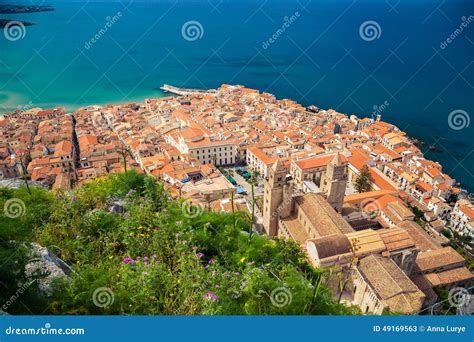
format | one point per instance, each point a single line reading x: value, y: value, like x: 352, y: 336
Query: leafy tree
x: 362, y: 183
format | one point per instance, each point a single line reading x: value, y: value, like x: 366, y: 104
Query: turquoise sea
x: 313, y: 51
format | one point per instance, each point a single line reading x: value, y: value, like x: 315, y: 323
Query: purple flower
x: 227, y: 274
x: 236, y: 273
x: 211, y: 296
x: 145, y: 259
x: 199, y: 255
x: 129, y: 261
x: 212, y: 261
x: 73, y: 198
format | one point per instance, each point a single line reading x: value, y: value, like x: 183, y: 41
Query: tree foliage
x: 362, y: 183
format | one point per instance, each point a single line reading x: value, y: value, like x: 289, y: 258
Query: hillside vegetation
x: 132, y: 250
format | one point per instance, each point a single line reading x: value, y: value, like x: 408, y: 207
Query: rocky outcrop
x: 45, y: 267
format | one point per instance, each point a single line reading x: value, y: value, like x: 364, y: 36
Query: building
x: 333, y: 183
x: 208, y: 151
x: 277, y: 199
x: 380, y: 285
x: 311, y: 169
x: 462, y: 219
x: 394, y: 244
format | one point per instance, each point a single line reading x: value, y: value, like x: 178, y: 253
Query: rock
x: 45, y: 267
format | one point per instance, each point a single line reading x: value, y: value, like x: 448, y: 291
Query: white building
x: 208, y: 151
x: 462, y: 218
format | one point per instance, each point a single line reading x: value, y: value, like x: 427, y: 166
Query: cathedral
x: 385, y: 259
x: 290, y: 213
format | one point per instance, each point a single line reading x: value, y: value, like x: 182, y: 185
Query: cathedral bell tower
x: 333, y: 183
x: 277, y: 199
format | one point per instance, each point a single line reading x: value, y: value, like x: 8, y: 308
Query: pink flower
x: 211, y: 296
